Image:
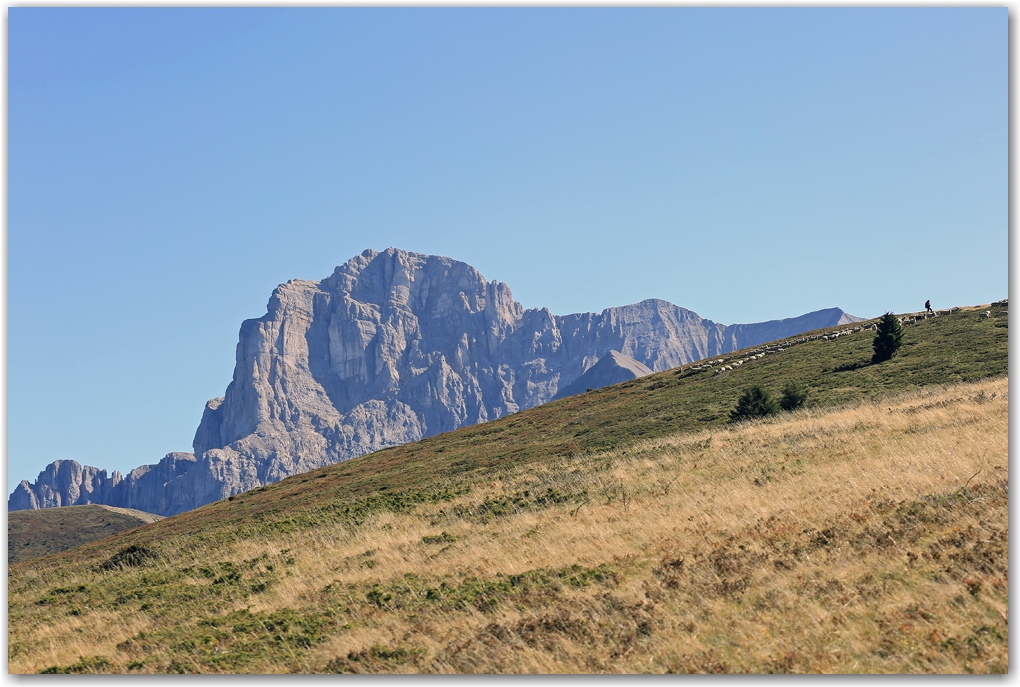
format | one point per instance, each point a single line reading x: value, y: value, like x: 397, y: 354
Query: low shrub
x: 755, y: 402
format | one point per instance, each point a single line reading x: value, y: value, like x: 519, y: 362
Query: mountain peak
x: 612, y: 368
x: 392, y: 347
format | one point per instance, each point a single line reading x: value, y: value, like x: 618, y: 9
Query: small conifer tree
x: 888, y: 338
x: 756, y: 401
x: 794, y: 396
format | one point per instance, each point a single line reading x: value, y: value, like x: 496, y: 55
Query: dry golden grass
x: 871, y: 538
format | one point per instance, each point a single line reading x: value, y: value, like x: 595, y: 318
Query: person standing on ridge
x: 927, y: 306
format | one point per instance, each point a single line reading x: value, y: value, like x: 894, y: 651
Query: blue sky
x: 168, y: 167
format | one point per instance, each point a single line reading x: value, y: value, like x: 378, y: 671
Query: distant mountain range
x: 391, y: 348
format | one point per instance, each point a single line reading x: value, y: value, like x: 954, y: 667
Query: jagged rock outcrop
x: 390, y: 348
x: 150, y: 488
x: 613, y: 368
x: 64, y: 483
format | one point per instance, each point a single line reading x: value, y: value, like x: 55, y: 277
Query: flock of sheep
x: 1004, y: 303
x: 721, y: 365
x: 917, y: 317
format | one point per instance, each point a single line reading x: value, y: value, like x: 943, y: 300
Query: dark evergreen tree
x: 756, y: 401
x: 888, y: 338
x: 794, y: 396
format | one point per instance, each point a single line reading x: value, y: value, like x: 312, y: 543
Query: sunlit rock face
x: 390, y: 348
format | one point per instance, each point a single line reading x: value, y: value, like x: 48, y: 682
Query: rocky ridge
x: 613, y: 368
x: 391, y: 348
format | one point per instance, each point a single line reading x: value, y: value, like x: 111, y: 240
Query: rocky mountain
x: 149, y: 488
x: 613, y: 368
x: 390, y: 348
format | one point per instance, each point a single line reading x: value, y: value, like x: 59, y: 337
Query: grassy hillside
x: 35, y: 533
x: 630, y: 529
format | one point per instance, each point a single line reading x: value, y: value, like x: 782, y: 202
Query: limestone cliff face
x: 150, y: 488
x: 390, y: 348
x: 62, y: 483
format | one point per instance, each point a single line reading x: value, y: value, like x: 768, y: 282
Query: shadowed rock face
x: 390, y: 348
x: 613, y: 368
